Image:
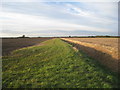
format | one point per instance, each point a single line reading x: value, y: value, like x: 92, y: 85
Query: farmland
x: 110, y: 42
x: 103, y: 49
x: 55, y: 64
x: 10, y: 44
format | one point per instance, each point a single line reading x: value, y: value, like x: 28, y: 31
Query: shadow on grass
x: 102, y: 60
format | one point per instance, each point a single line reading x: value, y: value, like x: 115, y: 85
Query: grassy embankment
x: 54, y: 64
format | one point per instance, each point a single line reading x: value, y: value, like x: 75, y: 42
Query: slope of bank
x: 99, y: 49
x: 54, y: 64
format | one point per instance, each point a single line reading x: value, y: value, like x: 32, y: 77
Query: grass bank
x: 55, y: 64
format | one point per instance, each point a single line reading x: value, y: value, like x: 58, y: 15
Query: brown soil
x: 9, y: 45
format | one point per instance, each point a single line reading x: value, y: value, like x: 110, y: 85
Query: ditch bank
x: 103, y: 55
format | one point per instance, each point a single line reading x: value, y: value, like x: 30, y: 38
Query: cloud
x: 51, y: 18
x: 16, y: 21
x: 60, y: 0
x: 95, y: 16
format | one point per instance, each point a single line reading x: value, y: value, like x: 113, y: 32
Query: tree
x: 23, y: 36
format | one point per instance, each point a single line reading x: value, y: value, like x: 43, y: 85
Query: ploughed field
x: 9, y: 45
x: 54, y: 64
x: 103, y: 49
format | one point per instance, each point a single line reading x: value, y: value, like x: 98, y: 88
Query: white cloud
x: 60, y: 0
x: 100, y: 16
x: 27, y: 23
x: 44, y: 18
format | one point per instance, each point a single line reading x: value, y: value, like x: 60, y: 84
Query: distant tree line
x: 106, y: 36
x: 91, y: 36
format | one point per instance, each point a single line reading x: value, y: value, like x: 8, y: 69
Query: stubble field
x: 105, y: 50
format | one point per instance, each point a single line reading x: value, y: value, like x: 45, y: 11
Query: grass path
x: 54, y: 64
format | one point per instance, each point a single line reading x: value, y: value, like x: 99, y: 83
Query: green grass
x: 55, y: 64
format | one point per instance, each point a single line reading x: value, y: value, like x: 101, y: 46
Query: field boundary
x: 99, y: 53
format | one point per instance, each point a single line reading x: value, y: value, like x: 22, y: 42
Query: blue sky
x: 59, y: 18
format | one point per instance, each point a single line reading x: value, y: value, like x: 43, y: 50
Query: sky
x: 58, y: 19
